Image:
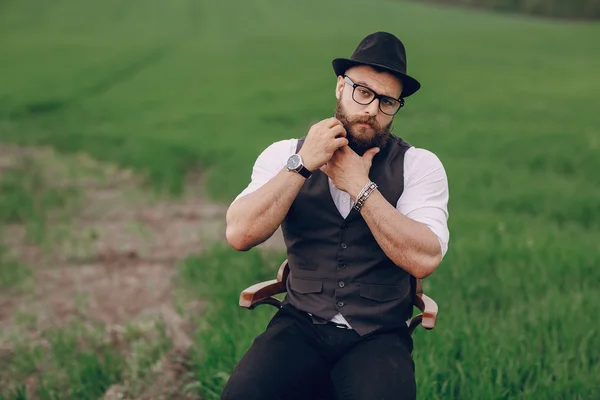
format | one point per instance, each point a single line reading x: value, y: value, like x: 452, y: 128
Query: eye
x: 388, y: 102
x: 364, y: 93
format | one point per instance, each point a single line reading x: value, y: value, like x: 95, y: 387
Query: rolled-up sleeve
x: 268, y: 164
x: 425, y: 195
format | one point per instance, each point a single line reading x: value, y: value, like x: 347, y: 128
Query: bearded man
x: 363, y: 213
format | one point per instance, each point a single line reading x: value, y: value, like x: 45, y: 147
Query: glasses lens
x: 388, y: 105
x: 363, y: 95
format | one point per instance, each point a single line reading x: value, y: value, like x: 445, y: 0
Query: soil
x: 112, y: 258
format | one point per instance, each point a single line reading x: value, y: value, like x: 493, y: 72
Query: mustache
x: 369, y: 120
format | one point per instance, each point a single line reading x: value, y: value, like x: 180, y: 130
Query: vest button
x: 342, y: 265
x: 341, y: 284
x: 344, y: 226
x: 344, y: 246
x: 340, y: 304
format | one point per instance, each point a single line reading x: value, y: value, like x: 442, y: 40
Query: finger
x: 340, y: 143
x: 369, y: 154
x: 331, y: 122
x: 337, y: 131
x: 346, y: 150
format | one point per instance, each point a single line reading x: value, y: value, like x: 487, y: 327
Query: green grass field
x: 509, y: 104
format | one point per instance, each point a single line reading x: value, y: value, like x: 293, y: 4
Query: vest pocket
x: 307, y: 267
x: 383, y: 292
x: 305, y: 286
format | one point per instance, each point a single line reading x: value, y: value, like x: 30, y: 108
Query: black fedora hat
x: 383, y: 51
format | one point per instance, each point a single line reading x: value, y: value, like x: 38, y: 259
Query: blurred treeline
x: 576, y: 9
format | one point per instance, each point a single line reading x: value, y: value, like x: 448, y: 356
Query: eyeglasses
x: 364, y: 96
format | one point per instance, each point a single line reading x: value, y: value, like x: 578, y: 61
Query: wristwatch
x: 294, y: 163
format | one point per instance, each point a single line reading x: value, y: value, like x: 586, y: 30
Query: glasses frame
x: 376, y: 96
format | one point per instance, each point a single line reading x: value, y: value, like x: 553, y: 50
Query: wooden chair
x: 264, y: 292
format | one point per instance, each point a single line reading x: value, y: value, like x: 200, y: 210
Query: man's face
x: 366, y: 125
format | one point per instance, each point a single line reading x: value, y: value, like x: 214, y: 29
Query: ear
x: 339, y: 87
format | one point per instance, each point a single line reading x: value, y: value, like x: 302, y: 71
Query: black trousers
x: 295, y: 359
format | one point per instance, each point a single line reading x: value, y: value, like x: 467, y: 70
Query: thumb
x: 369, y: 154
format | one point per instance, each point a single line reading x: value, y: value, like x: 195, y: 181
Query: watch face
x: 294, y: 161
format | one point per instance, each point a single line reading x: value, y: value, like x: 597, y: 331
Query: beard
x: 362, y: 138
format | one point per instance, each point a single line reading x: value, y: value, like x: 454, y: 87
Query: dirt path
x: 112, y: 256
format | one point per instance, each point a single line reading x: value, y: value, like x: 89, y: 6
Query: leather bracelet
x: 364, y: 194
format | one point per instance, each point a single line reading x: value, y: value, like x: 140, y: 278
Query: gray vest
x: 336, y: 264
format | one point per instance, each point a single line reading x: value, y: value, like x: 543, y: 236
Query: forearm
x: 408, y: 243
x: 254, y: 218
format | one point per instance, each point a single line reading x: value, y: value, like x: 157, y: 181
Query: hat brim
x: 409, y: 84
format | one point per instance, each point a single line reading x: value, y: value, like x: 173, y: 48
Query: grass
x: 78, y: 362
x: 28, y: 199
x: 224, y: 332
x: 508, y: 104
x: 25, y: 198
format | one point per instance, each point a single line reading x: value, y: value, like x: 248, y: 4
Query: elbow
x: 237, y: 239
x: 235, y: 234
x: 425, y: 267
x: 422, y: 273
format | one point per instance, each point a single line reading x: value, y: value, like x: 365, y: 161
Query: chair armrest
x: 429, y: 310
x: 283, y: 272
x: 261, y: 292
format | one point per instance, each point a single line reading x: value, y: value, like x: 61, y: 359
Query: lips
x: 365, y: 124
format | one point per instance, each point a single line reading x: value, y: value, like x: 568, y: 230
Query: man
x: 362, y: 213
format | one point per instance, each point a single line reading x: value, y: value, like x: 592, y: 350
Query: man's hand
x: 349, y: 171
x: 321, y: 142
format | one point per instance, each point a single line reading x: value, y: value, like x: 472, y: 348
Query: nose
x: 373, y: 108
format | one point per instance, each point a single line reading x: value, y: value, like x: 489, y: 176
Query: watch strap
x: 302, y: 170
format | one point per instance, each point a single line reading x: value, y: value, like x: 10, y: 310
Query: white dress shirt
x: 424, y: 199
